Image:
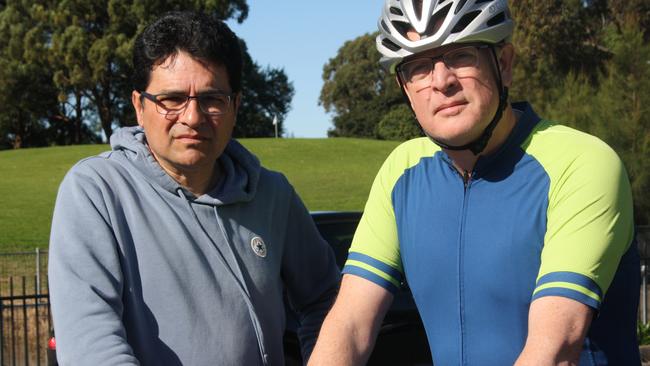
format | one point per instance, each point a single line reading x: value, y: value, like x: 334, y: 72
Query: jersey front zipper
x: 467, y: 182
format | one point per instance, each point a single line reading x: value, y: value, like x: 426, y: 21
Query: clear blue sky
x: 300, y: 37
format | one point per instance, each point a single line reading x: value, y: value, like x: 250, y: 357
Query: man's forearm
x: 556, y: 332
x: 340, y: 343
x: 349, y: 331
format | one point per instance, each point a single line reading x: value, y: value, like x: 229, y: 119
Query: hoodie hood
x: 241, y: 169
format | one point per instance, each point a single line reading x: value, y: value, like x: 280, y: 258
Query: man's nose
x: 442, y: 77
x: 192, y: 114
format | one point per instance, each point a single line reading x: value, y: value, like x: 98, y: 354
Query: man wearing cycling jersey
x: 515, y: 234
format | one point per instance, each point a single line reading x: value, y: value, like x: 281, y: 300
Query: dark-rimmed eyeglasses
x: 212, y: 103
x: 462, y: 60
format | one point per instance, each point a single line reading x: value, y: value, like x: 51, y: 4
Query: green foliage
x: 553, y: 39
x: 25, y: 90
x: 66, y: 68
x: 329, y: 174
x: 399, y: 124
x: 266, y: 93
x: 357, y: 90
x: 643, y: 333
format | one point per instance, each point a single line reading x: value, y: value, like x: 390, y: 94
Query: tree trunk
x: 20, y: 132
x: 103, y: 103
x: 77, y: 121
x: 18, y: 141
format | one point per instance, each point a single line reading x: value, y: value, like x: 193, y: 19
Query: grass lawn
x: 329, y: 174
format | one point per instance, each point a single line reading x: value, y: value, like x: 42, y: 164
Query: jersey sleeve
x: 374, y: 254
x: 590, y: 224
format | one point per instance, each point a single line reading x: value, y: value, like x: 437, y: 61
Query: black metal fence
x: 25, y: 322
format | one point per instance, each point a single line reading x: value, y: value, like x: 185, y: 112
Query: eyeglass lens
x: 458, y: 60
x: 210, y: 103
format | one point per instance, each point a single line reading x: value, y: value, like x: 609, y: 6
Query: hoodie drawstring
x: 241, y: 283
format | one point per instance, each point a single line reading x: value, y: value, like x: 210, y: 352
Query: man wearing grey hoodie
x: 176, y: 247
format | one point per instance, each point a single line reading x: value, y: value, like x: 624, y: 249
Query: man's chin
x: 451, y: 138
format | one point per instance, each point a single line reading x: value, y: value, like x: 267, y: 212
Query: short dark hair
x: 204, y: 37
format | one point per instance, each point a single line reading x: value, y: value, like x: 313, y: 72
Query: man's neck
x: 198, y: 182
x: 464, y: 160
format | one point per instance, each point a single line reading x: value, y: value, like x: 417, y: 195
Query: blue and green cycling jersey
x: 548, y: 214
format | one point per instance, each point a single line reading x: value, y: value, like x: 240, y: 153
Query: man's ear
x: 506, y: 62
x: 136, y: 100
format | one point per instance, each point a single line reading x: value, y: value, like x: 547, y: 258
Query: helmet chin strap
x: 478, y: 145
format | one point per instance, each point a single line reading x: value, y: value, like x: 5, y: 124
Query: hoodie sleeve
x: 85, y: 276
x: 310, y: 273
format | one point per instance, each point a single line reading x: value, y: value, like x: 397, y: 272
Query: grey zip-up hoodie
x: 143, y: 272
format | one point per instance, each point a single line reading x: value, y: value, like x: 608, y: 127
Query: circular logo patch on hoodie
x: 258, y: 246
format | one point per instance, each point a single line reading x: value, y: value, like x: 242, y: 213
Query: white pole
x: 38, y: 271
x: 275, y: 123
x: 644, y: 294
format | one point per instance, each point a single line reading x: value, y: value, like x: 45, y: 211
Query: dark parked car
x: 401, y: 339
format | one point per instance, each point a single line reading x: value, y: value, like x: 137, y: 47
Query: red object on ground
x: 51, y: 344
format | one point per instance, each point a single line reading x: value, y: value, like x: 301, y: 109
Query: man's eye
x: 216, y: 98
x: 172, y: 100
x: 419, y: 68
x: 461, y: 58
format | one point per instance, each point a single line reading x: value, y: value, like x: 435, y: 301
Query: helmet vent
x: 383, y: 25
x: 396, y: 11
x: 497, y: 19
x: 460, y: 5
x: 390, y: 45
x: 464, y: 21
x: 402, y: 27
x: 417, y: 6
x: 436, y: 20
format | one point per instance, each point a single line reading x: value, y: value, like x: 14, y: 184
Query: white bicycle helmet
x: 438, y: 23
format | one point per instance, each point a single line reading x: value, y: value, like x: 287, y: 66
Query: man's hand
x: 556, y: 331
x: 349, y: 331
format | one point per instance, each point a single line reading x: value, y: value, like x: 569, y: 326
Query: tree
x: 91, y: 44
x: 26, y: 93
x: 265, y: 94
x: 74, y: 58
x: 399, y: 124
x: 357, y: 90
x: 554, y: 38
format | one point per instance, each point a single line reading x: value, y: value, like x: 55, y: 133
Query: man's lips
x: 190, y: 137
x: 449, y: 106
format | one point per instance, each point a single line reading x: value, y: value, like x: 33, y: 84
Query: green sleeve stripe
x: 571, y: 286
x: 374, y: 270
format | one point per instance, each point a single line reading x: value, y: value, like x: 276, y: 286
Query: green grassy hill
x: 329, y: 174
